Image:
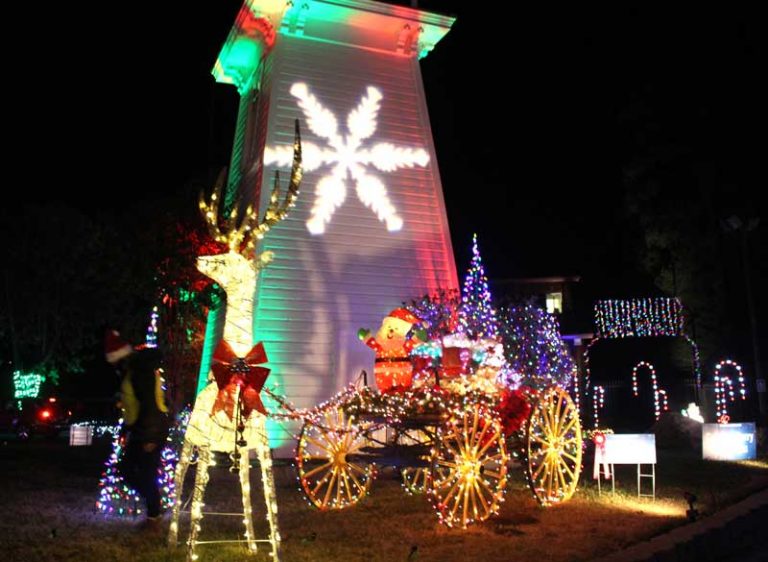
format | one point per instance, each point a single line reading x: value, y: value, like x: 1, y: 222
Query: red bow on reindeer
x: 231, y: 371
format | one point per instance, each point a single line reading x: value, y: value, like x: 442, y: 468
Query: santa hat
x: 405, y: 315
x: 115, y: 347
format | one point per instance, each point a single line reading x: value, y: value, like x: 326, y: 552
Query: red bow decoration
x: 514, y: 409
x: 231, y: 371
x: 599, y: 440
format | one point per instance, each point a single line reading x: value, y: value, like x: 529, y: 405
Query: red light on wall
x: 44, y: 414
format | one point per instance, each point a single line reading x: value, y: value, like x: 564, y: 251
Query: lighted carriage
x: 452, y: 433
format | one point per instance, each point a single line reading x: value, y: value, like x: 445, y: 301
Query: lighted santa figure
x: 393, y: 343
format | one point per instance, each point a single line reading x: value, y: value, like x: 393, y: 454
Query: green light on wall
x: 245, y: 53
x: 238, y: 62
x: 209, y: 344
x: 275, y: 432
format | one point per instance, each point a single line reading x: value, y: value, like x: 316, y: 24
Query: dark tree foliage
x: 65, y: 276
x: 185, y: 297
x: 680, y: 202
x: 69, y: 274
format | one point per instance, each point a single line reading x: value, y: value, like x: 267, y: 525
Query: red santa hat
x: 115, y: 347
x: 405, y: 315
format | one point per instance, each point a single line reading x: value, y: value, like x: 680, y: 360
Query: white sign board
x: 630, y: 448
x: 728, y: 441
x: 80, y: 435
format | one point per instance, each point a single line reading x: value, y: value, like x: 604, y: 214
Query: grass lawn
x: 48, y: 493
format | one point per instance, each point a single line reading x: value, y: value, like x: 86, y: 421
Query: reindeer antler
x: 210, y: 212
x: 277, y: 211
x: 251, y: 228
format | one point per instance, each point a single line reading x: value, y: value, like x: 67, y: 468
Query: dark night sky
x: 535, y: 114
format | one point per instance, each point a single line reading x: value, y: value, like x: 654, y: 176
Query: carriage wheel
x: 469, y: 468
x: 554, y: 447
x: 415, y: 479
x: 328, y: 472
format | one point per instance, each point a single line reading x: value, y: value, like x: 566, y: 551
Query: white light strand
x: 598, y: 401
x: 724, y: 387
x: 660, y: 399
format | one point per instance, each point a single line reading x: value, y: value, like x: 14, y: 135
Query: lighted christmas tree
x: 534, y: 350
x: 477, y: 317
x: 116, y: 497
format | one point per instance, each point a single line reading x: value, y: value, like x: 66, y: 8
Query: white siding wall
x: 320, y: 289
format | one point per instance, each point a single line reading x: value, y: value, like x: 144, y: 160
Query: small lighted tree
x: 477, y: 317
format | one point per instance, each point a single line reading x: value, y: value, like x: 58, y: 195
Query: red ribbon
x: 599, y: 441
x: 231, y: 372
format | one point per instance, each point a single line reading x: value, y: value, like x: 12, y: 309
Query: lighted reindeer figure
x: 228, y: 415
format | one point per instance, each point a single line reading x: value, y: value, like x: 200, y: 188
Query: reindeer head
x: 237, y: 269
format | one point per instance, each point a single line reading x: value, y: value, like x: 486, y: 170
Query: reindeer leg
x: 270, y: 493
x: 178, y: 487
x: 201, y: 481
x: 245, y: 487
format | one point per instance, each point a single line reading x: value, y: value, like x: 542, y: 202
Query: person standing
x: 145, y: 417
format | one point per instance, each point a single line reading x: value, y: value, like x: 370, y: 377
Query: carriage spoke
x: 322, y: 481
x: 317, y: 443
x: 574, y: 421
x: 457, y: 501
x: 496, y: 435
x: 466, y: 503
x: 484, y: 503
x: 570, y: 456
x: 492, y: 473
x: 484, y: 429
x: 330, y: 487
x: 536, y: 474
x: 558, y: 415
x: 347, y: 487
x: 561, y: 478
x: 317, y: 469
x: 473, y: 497
x: 356, y: 482
x: 568, y: 468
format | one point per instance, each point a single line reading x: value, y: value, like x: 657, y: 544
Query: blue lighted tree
x: 534, y: 350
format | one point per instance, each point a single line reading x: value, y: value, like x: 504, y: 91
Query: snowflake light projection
x: 347, y: 158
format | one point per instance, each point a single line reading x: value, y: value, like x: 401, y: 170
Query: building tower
x: 369, y: 229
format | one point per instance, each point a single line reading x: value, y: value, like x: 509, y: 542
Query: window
x: 555, y: 303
